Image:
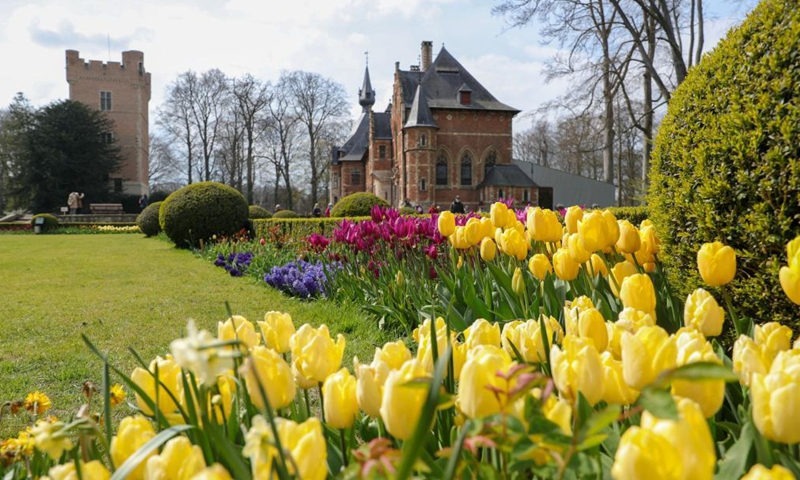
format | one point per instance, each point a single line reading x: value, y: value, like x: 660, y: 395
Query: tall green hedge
x: 726, y: 161
x: 635, y: 215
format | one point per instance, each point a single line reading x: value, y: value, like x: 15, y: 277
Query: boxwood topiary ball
x: 357, y: 205
x: 201, y: 210
x: 257, y: 211
x: 726, y: 163
x: 286, y: 214
x: 50, y: 221
x: 148, y: 220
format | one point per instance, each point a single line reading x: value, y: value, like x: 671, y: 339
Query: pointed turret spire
x: 420, y: 115
x: 366, y: 95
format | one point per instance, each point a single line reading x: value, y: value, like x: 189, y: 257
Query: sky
x: 266, y: 37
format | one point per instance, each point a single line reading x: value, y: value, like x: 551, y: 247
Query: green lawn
x: 123, y: 291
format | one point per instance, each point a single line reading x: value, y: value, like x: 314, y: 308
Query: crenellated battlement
x: 131, y: 68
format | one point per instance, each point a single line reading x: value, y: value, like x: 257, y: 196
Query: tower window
x: 500, y: 194
x: 105, y: 101
x: 355, y: 176
x: 490, y: 162
x: 382, y: 152
x: 107, y: 137
x: 466, y: 169
x: 526, y: 196
x: 423, y: 140
x: 423, y: 184
x: 336, y: 181
x: 441, y: 170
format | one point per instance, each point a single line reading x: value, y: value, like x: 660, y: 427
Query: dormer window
x: 465, y: 98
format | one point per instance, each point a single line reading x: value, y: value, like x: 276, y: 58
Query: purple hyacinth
x: 300, y: 278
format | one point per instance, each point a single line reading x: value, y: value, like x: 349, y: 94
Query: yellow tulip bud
x: 592, y: 326
x: 612, y: 228
x: 598, y: 266
x: 539, y: 266
x: 793, y: 249
x: 401, y: 405
x: 180, y: 460
x: 566, y: 268
x: 482, y: 332
x: 645, y: 354
x: 304, y: 443
x: 472, y: 231
x: 593, y: 231
x: 709, y: 394
x: 577, y: 368
x: 649, y: 238
x: 488, y: 249
x: 772, y: 337
x: 543, y: 225
x: 169, y: 376
x: 214, y: 472
x: 239, y: 328
x: 339, y: 399
x: 277, y: 329
x: 576, y: 250
x: 632, y: 320
x: 93, y: 470
x: 703, y: 313
x: 369, y: 385
x: 643, y: 453
x: 517, y: 282
x: 314, y: 354
x: 487, y: 228
x: 620, y: 272
x: 748, y: 359
x: 582, y: 303
x: 446, y: 223
x: 637, y: 292
x: 499, y: 214
x: 717, y: 263
x: 615, y: 390
x: 760, y: 472
x: 479, y: 376
x: 266, y: 367
x: 527, y: 338
x: 790, y: 282
x: 573, y: 216
x: 393, y: 354
x: 775, y: 396
x: 629, y: 241
x: 132, y: 434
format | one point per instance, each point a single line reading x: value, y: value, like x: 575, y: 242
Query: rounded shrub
x: 257, y: 211
x: 406, y: 211
x: 147, y: 221
x: 726, y: 162
x: 200, y: 210
x: 357, y: 205
x: 286, y: 214
x: 50, y: 221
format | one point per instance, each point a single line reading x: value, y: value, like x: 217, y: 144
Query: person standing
x: 80, y: 202
x: 328, y: 210
x: 457, y: 206
x: 317, y: 212
x: 143, y: 202
x: 72, y: 202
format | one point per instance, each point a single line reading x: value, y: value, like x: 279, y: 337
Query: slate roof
x: 383, y: 125
x: 366, y: 95
x: 420, y: 115
x: 442, y: 82
x: 358, y: 142
x: 507, y: 176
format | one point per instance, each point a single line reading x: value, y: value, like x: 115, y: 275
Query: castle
x: 122, y: 91
x: 443, y: 135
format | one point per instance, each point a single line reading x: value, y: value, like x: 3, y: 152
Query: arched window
x: 466, y: 169
x: 441, y: 169
x: 500, y: 194
x: 490, y: 162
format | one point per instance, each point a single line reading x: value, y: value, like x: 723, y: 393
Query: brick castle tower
x: 122, y: 91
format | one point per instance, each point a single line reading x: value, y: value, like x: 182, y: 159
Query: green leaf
x: 789, y: 463
x: 702, y: 371
x: 602, y: 419
x: 140, y: 455
x: 735, y: 462
x: 659, y: 402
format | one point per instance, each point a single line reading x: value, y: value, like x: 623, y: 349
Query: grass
x: 123, y: 291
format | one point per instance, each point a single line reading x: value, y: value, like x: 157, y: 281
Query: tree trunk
x: 608, y: 125
x: 700, y: 32
x: 250, y: 173
x: 647, y: 121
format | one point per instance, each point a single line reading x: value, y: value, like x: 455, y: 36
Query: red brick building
x: 443, y: 135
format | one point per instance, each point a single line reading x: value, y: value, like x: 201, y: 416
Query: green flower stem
x: 321, y: 403
x: 344, y: 445
x: 729, y: 302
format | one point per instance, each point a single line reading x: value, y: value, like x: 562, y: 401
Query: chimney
x: 427, y: 55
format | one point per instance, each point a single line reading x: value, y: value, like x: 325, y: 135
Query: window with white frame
x: 105, y: 101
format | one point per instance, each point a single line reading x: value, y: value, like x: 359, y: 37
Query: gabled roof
x: 507, y: 176
x: 357, y: 143
x: 442, y: 82
x: 383, y: 125
x: 420, y: 115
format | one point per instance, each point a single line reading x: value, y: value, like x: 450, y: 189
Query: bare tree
x: 251, y: 97
x: 318, y: 102
x: 208, y: 103
x: 535, y: 144
x: 163, y: 165
x: 282, y: 137
x: 175, y: 116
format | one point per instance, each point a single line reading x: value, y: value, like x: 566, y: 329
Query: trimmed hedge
x: 298, y: 228
x: 200, y: 210
x: 726, y: 162
x: 50, y: 221
x: 286, y: 214
x: 147, y: 221
x: 257, y: 211
x: 357, y: 205
x: 635, y: 215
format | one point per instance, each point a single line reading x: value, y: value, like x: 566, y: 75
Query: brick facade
x: 128, y: 84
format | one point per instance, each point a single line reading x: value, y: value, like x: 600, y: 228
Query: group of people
x: 75, y: 203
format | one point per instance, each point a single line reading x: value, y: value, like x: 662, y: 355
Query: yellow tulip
x: 303, y: 444
x: 527, y: 338
x: 573, y: 216
x: 488, y: 249
x: 592, y: 326
x: 132, y: 434
x: 632, y: 320
x: 612, y: 228
x: 792, y: 249
x: 776, y: 399
x: 577, y: 368
x: 593, y: 231
x: 498, y: 212
x: 422, y: 335
x: 93, y: 470
x: 620, y: 272
x: 393, y: 354
x: 517, y: 282
x: 401, y: 405
x: 615, y: 339
x: 582, y: 303
x: 482, y: 332
x: 576, y: 250
x: 479, y: 378
x: 339, y: 400
x: 180, y: 460
x: 169, y: 376
x: 539, y: 266
x: 790, y: 282
x: 760, y: 472
x: 266, y: 367
x: 315, y: 354
x: 649, y: 238
x: 459, y: 239
x: 629, y: 240
x: 644, y: 454
x: 238, y: 328
x: 598, y: 266
x: 703, y: 313
x: 645, y: 354
x: 717, y: 263
x: 537, y: 224
x: 772, y: 337
x: 487, y: 228
x: 748, y: 359
x: 369, y: 385
x: 637, y: 292
x: 472, y: 231
x: 615, y: 389
x: 709, y: 394
x: 513, y: 243
x: 214, y: 472
x: 277, y: 330
x: 566, y: 268
x: 446, y: 223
